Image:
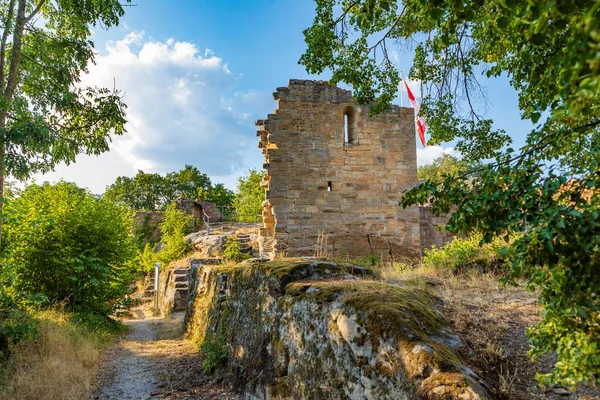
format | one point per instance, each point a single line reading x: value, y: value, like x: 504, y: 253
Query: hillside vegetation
x: 60, y: 362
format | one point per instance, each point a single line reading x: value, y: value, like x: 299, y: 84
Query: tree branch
x: 346, y: 11
x: 464, y: 72
x: 389, y: 30
x: 533, y: 149
x: 35, y: 11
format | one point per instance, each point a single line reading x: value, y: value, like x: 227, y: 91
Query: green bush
x: 214, y: 351
x: 232, y: 250
x: 15, y: 319
x: 465, y: 254
x: 67, y: 245
x: 146, y: 258
x: 174, y: 228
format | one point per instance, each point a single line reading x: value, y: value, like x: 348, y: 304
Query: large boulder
x: 210, y: 245
x: 316, y: 330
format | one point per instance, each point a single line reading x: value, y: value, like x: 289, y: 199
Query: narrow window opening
x: 329, y: 186
x: 349, y: 124
x: 346, y: 128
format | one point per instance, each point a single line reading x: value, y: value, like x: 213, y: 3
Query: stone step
x: 182, y: 285
x: 181, y: 278
x: 181, y: 271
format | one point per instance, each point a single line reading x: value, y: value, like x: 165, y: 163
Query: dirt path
x: 153, y: 361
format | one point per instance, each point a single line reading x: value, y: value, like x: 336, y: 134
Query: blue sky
x: 197, y: 73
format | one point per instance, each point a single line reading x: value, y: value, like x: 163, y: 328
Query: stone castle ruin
x: 334, y: 176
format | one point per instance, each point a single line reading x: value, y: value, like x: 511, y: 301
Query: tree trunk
x: 2, y: 174
x: 9, y: 90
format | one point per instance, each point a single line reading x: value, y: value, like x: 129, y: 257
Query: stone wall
x: 199, y: 210
x: 432, y: 229
x: 146, y: 225
x: 331, y: 194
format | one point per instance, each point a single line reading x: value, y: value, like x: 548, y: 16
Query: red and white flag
x: 421, y: 126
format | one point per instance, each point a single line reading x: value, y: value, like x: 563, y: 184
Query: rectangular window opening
x: 329, y: 186
x: 346, y: 138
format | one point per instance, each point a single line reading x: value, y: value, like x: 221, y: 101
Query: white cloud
x: 183, y: 108
x: 426, y: 155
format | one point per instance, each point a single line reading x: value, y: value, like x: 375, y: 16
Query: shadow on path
x: 153, y: 361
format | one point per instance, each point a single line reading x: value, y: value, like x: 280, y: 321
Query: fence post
x: 156, y: 273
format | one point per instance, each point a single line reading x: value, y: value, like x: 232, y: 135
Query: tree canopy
x: 151, y: 191
x: 46, y: 115
x: 442, y: 167
x: 250, y: 196
x: 542, y: 198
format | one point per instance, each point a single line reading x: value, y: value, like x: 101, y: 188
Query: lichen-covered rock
x: 212, y: 244
x: 306, y: 331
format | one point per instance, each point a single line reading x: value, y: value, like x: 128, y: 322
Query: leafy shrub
x: 67, y: 245
x: 97, y: 322
x: 15, y: 320
x: 232, y: 250
x: 174, y: 228
x: 464, y: 254
x: 214, y: 351
x: 146, y: 258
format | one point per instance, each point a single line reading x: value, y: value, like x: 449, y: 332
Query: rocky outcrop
x: 199, y: 210
x: 319, y: 330
x: 212, y: 243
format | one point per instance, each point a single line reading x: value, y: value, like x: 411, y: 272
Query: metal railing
x: 229, y: 215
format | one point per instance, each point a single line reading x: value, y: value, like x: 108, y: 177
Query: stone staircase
x: 141, y: 297
x: 173, y: 290
x: 181, y: 279
x: 243, y: 241
x: 148, y: 293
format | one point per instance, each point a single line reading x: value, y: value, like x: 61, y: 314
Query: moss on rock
x: 313, y: 330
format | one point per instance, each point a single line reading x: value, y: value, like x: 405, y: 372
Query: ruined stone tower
x: 335, y: 176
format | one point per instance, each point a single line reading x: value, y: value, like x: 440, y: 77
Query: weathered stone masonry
x: 335, y: 175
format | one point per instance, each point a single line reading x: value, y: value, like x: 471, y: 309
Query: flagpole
x: 401, y: 90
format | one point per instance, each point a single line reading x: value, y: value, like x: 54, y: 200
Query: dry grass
x: 491, y: 320
x: 60, y: 364
x: 322, y: 248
